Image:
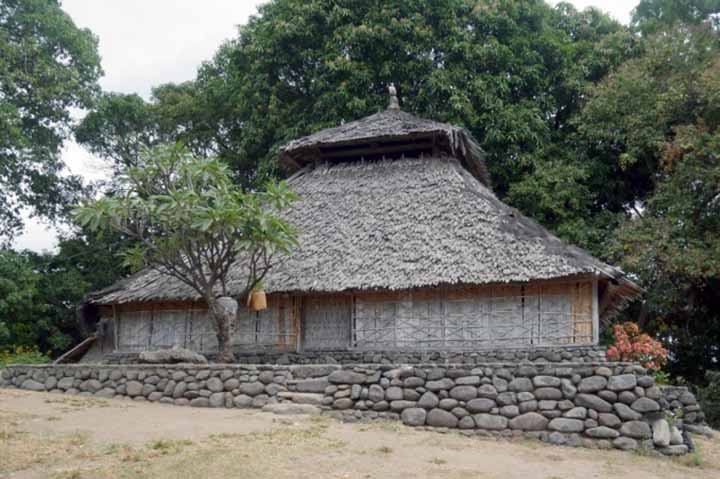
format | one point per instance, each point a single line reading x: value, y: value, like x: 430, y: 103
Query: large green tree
x: 47, y: 67
x: 513, y: 72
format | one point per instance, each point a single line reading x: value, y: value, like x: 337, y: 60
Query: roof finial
x: 394, y: 103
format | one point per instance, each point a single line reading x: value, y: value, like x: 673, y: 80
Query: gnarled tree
x: 192, y: 223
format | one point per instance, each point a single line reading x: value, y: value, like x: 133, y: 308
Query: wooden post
x: 595, y: 313
x: 116, y: 327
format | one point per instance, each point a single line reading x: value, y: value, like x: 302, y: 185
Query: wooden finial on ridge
x: 394, y: 103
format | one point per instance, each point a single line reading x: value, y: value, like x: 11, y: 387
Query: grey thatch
x: 385, y: 132
x: 401, y: 224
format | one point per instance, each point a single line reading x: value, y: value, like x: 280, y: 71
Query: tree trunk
x: 223, y: 312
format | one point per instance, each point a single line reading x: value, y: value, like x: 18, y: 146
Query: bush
x: 22, y: 355
x: 709, y: 397
x: 632, y: 345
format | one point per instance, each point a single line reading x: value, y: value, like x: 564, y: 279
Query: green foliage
x: 22, y: 355
x: 47, y: 67
x: 651, y: 16
x: 190, y: 221
x: 709, y: 398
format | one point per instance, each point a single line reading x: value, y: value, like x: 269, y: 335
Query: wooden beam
x: 85, y: 344
x: 369, y: 150
x: 595, y: 313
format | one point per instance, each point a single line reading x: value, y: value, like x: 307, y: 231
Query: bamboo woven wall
x: 440, y: 319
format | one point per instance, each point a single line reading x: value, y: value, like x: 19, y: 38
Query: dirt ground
x: 72, y: 437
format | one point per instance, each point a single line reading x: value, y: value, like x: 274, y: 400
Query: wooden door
x: 326, y: 322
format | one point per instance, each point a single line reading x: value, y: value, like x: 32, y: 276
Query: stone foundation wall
x: 575, y: 354
x: 683, y: 405
x: 578, y: 404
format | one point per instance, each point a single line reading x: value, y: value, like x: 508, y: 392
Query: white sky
x: 144, y: 43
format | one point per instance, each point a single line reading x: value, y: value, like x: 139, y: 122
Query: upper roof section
x: 388, y: 134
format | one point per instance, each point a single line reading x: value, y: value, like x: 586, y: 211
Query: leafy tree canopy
x: 47, y: 67
x: 651, y: 16
x: 191, y: 222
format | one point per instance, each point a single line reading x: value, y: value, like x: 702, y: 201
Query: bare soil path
x: 72, y: 437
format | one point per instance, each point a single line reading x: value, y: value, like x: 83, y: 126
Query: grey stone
x: 439, y: 385
x: 312, y: 385
x: 428, y: 400
x: 273, y: 389
x: 215, y: 385
x: 252, y: 389
x: 592, y: 384
x: 653, y: 393
x: 527, y: 406
x: 636, y: 430
x: 179, y: 390
x: 302, y: 398
x: 490, y: 421
x: 590, y: 423
x: 468, y: 381
x: 603, y: 371
x: 675, y: 436
x: 645, y: 381
x: 521, y: 385
x: 32, y: 385
x: 500, y: 384
x: 530, y: 421
x: 66, y: 383
x: 565, y: 405
x: 661, y: 433
x: 622, y: 382
x: 441, y: 418
x: 231, y: 384
x: 568, y: 389
x: 593, y: 402
x: 260, y: 401
x: 243, y: 400
x: 376, y: 393
x: 487, y: 391
x: 134, y: 388
x: 525, y: 396
x: 344, y: 376
x: 576, y: 413
x: 509, y: 411
x: 480, y: 405
x: 547, y: 405
x: 546, y: 381
x: 506, y: 399
x: 687, y: 398
x: 393, y: 393
x: 399, y: 405
x: 172, y: 356
x: 147, y: 389
x: 627, y: 397
x: 466, y: 422
x: 413, y: 416
x: 463, y: 393
x: 609, y: 396
x: 217, y: 400
x: 413, y: 382
x: 199, y: 402
x: 311, y: 370
x: 678, y: 450
x: 108, y: 393
x: 602, y: 432
x: 460, y: 412
x: 448, y: 403
x: 645, y: 405
x: 625, y: 412
x: 566, y: 425
x: 609, y: 420
x: 342, y: 403
x: 557, y: 438
x: 625, y: 443
x: 266, y: 377
x: 548, y: 393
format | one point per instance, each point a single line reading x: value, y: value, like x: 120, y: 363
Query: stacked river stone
x: 601, y: 405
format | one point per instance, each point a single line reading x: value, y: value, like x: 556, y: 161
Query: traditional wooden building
x: 403, y: 246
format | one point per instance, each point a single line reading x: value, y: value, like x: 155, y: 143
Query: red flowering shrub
x: 632, y: 345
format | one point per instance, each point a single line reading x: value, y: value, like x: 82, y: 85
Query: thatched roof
x: 401, y: 224
x: 389, y: 132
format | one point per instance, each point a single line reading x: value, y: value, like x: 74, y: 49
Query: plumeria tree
x: 191, y: 222
x: 632, y: 345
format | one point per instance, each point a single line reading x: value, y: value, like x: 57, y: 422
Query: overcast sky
x: 144, y: 43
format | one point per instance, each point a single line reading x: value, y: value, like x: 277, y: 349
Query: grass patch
x: 438, y: 461
x: 385, y: 450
